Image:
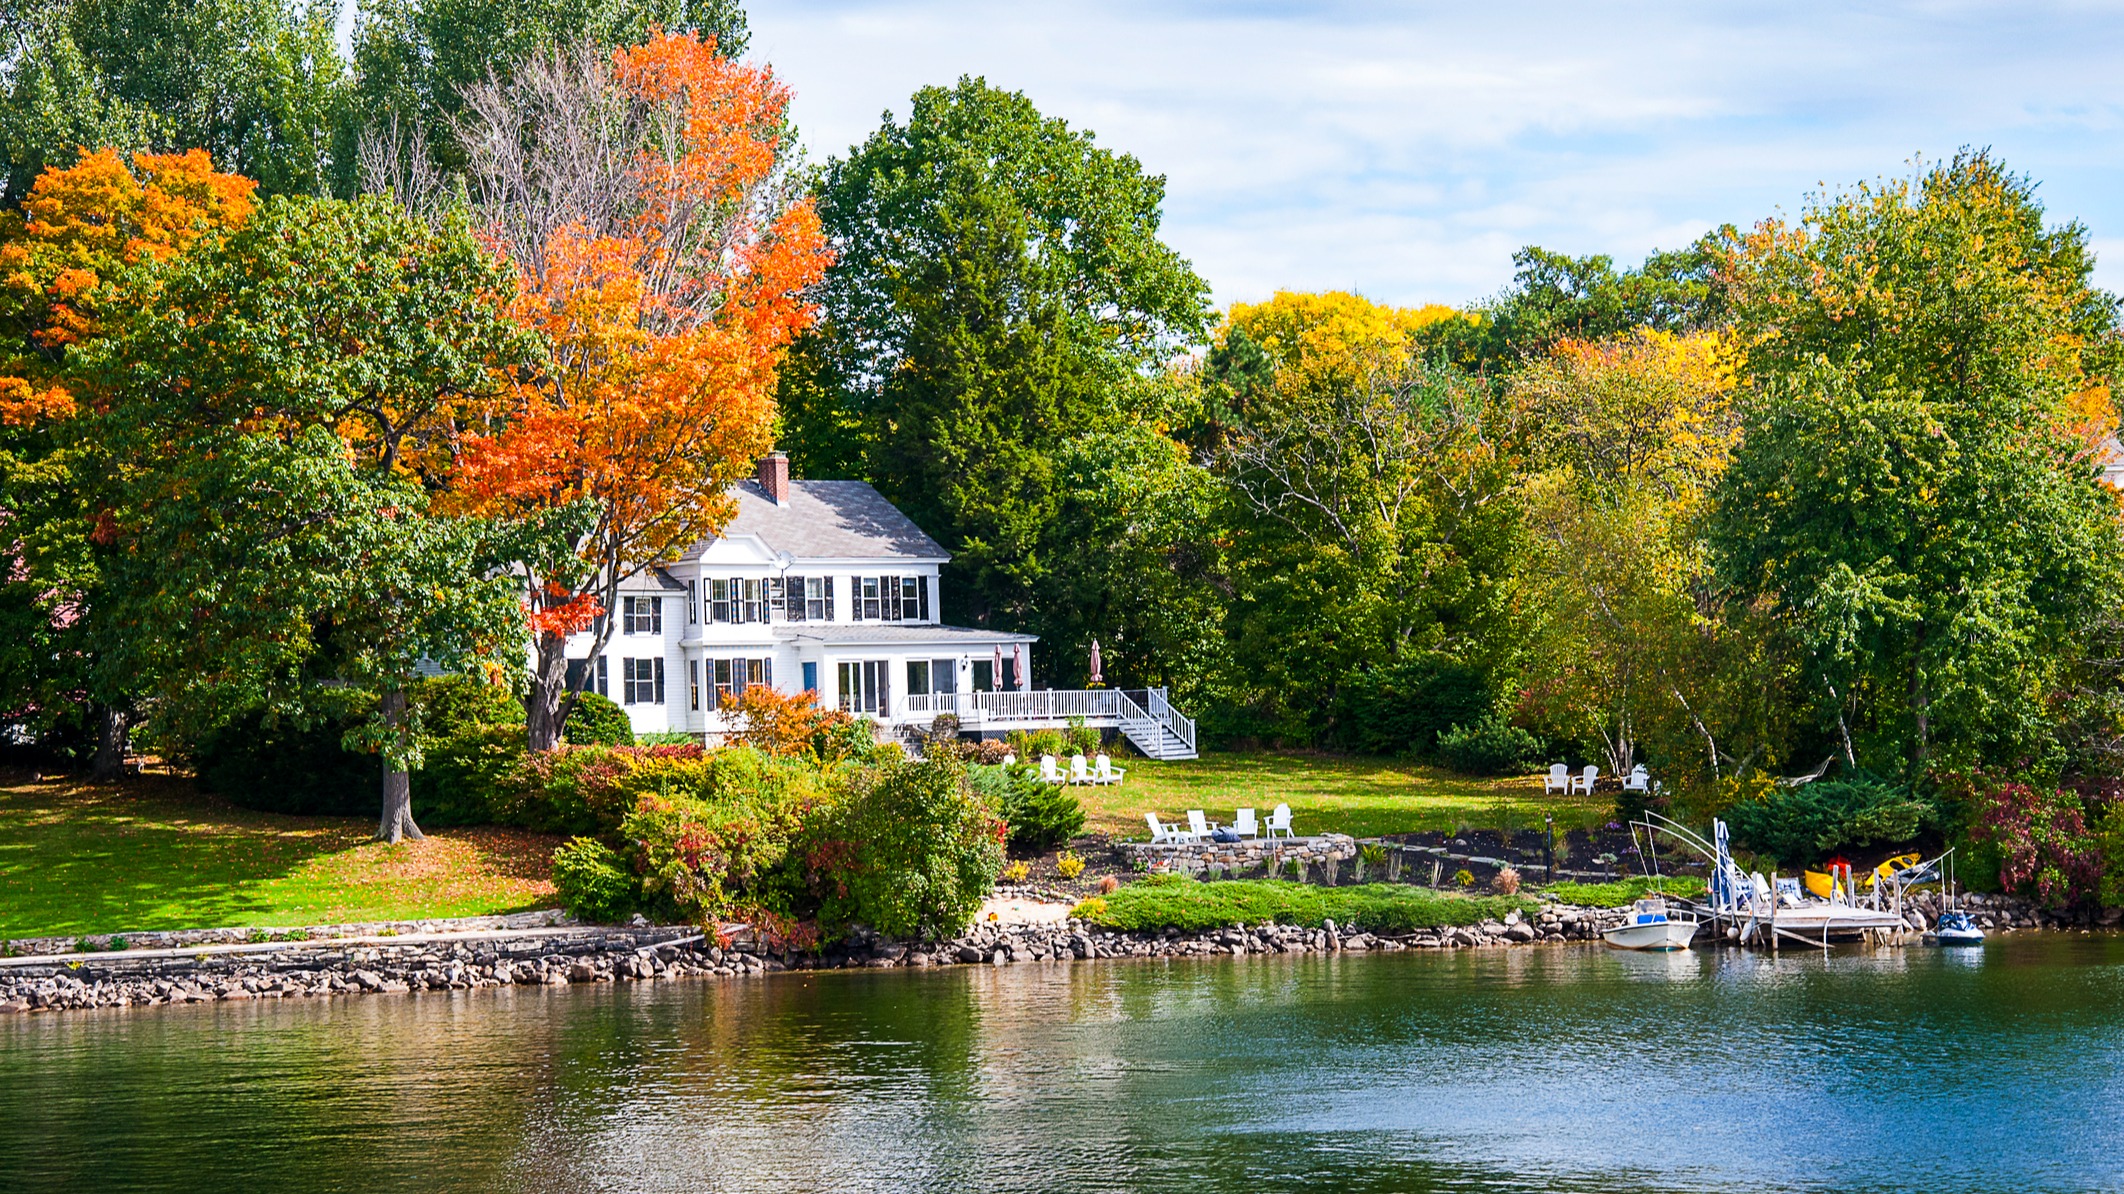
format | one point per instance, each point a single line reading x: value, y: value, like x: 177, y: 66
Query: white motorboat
x: 1650, y: 925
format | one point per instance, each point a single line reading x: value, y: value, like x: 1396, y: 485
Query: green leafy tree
x: 1556, y: 297
x: 999, y: 289
x: 278, y: 422
x: 1371, y: 515
x: 1914, y: 488
x: 258, y: 84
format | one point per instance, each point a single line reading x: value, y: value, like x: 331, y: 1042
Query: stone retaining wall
x: 1241, y: 857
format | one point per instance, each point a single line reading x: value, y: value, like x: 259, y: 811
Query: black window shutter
x: 659, y: 679
x: 922, y: 593
x: 829, y: 599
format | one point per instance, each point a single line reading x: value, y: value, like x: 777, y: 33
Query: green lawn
x: 1328, y: 793
x: 155, y: 854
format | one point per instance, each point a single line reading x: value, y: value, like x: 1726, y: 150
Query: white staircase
x: 1159, y: 731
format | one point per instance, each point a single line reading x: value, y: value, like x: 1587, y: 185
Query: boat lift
x: 1755, y: 913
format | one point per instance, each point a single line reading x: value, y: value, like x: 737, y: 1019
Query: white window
x: 693, y: 602
x: 869, y: 606
x: 642, y: 681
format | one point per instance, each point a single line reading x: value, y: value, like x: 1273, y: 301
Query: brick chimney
x: 774, y: 477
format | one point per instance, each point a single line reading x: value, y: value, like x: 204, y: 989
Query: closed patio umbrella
x: 1095, y: 678
x: 1017, y: 666
x: 995, y: 678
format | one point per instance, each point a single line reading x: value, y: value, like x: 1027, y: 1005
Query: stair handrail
x: 1182, y: 726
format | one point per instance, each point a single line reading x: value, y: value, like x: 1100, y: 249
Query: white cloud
x: 1407, y: 150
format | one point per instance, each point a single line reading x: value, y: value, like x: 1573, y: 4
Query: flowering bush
x: 2045, y: 848
x: 909, y: 850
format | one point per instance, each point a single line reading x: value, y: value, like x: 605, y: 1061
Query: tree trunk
x: 397, y: 823
x: 546, y: 704
x: 111, y: 725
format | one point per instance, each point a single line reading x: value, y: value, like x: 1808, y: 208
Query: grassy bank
x: 1622, y: 891
x: 156, y: 854
x: 1358, y: 796
x: 1170, y: 901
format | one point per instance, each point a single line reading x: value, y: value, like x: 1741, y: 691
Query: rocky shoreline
x: 208, y: 966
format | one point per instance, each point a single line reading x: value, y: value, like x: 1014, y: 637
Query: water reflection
x: 1549, y: 1069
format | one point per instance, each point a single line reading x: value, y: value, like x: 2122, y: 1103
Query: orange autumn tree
x: 63, y: 256
x: 664, y: 253
x: 87, y: 247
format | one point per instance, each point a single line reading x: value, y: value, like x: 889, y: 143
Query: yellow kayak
x: 1821, y: 884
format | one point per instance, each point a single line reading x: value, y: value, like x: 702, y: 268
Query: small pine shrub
x: 117, y: 943
x: 592, y: 885
x: 1492, y: 746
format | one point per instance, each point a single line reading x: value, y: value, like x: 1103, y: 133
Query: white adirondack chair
x: 1558, y: 780
x: 1584, y: 782
x: 1162, y: 834
x: 1279, y: 821
x: 1048, y: 774
x: 1198, y: 824
x: 1244, y: 825
x: 1104, y: 771
x: 1078, y: 772
x: 1639, y: 780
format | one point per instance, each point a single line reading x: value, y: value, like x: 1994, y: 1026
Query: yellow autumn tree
x: 1627, y: 437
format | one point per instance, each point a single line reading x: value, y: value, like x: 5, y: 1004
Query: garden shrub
x: 1405, y: 707
x: 909, y: 849
x: 593, y: 883
x: 450, y: 704
x: 1041, y: 816
x: 1031, y: 744
x: 711, y: 832
x: 1080, y: 739
x: 280, y: 764
x: 597, y: 721
x: 1808, y: 822
x: 1491, y: 746
x: 2044, y: 846
x: 468, y: 777
x: 794, y: 725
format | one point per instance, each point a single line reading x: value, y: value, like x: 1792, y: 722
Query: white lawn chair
x: 1104, y: 771
x: 1163, y: 834
x: 1279, y: 821
x: 1584, y: 782
x: 1048, y: 774
x: 1639, y: 780
x: 1558, y: 780
x: 1199, y: 825
x: 1244, y: 825
x: 1078, y: 772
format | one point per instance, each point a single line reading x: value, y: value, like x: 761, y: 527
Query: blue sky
x: 1405, y: 150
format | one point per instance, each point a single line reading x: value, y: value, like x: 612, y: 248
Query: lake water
x: 1555, y: 1069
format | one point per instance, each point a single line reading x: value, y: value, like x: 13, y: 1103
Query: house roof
x: 828, y: 520
x: 957, y: 637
